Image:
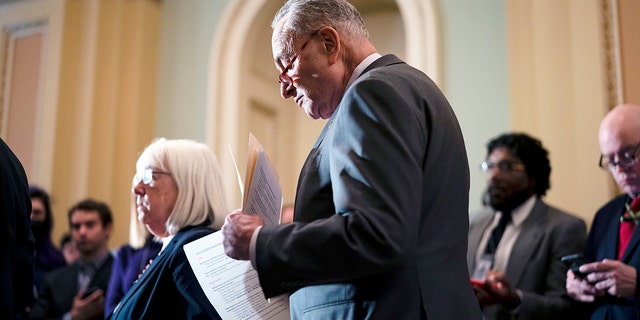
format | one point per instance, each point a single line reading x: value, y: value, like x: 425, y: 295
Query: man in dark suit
x: 16, y: 241
x: 527, y: 277
x: 77, y: 291
x: 381, y: 209
x: 610, y: 289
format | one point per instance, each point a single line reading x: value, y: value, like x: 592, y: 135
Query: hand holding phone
x: 89, y: 291
x: 573, y: 262
x: 477, y: 282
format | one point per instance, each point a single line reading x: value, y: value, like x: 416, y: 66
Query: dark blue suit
x: 603, y: 243
x: 381, y: 209
x: 169, y: 288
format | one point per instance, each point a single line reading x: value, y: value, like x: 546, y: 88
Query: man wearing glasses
x: 517, y: 241
x: 609, y: 287
x: 381, y: 210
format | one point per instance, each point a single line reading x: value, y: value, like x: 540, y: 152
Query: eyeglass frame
x: 284, y: 74
x: 147, y: 175
x: 626, y: 163
x: 504, y: 166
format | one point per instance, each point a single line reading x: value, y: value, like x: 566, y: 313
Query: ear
x: 331, y: 42
x: 108, y: 229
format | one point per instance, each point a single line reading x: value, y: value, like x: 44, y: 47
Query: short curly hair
x: 532, y: 154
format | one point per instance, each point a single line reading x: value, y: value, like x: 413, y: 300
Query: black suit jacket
x: 603, y: 243
x: 381, y: 209
x: 60, y: 286
x: 16, y: 241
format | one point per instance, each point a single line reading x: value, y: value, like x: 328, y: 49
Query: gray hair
x: 194, y: 168
x: 304, y: 17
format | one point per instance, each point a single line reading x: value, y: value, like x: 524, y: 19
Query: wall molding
x: 611, y: 41
x: 8, y: 35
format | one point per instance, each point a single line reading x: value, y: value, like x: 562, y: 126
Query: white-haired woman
x: 179, y: 199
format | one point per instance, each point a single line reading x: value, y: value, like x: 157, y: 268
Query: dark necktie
x: 497, y: 232
x: 627, y: 225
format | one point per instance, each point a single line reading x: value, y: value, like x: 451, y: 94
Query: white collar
x: 363, y: 65
x: 521, y: 212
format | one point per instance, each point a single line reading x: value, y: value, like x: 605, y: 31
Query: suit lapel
x: 136, y: 291
x: 101, y: 277
x: 633, y: 245
x: 612, y: 232
x: 72, y: 279
x: 474, y: 240
x: 531, y: 231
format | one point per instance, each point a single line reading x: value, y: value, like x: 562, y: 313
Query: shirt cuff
x: 252, y: 247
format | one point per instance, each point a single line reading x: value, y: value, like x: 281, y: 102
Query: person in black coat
x: 16, y: 241
x: 48, y: 257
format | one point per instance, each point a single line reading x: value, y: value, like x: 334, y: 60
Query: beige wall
x: 106, y: 103
x: 557, y: 92
x: 96, y: 106
x: 629, y: 22
x: 24, y: 68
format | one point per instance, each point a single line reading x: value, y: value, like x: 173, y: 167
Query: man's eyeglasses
x: 625, y: 160
x: 504, y: 166
x: 284, y: 76
x: 146, y: 176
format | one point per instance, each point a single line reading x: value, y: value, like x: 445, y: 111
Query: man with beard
x: 77, y: 291
x: 516, y: 243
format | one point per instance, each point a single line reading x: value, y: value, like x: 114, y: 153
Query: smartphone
x: 89, y: 291
x: 573, y: 262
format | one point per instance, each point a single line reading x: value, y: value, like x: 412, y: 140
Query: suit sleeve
x: 375, y: 158
x: 554, y: 303
x: 17, y: 244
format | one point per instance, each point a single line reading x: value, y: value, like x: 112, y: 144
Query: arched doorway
x: 244, y: 95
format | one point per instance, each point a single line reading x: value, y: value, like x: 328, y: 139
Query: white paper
x: 240, y: 183
x: 232, y: 286
x: 265, y: 194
